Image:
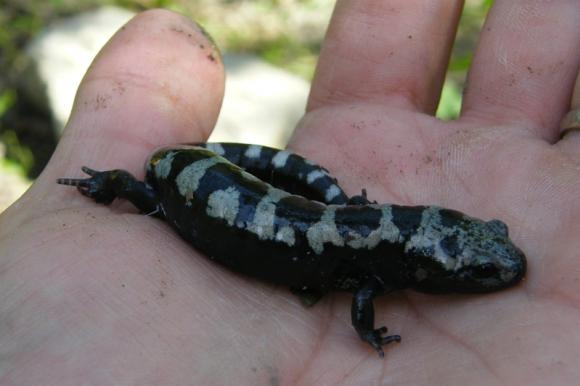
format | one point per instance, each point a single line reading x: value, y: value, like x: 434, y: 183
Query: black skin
x: 105, y: 186
x: 285, y: 178
x: 437, y: 250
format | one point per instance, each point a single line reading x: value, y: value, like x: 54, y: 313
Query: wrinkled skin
x: 101, y: 295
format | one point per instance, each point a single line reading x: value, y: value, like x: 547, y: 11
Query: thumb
x: 158, y: 81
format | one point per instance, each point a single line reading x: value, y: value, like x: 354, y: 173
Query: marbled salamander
x: 274, y: 234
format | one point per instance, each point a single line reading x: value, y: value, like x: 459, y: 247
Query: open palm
x: 102, y: 295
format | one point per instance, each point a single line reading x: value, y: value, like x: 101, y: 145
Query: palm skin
x: 102, y: 295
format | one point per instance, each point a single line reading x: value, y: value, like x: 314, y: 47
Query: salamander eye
x: 499, y: 227
x: 485, y: 270
x: 450, y: 246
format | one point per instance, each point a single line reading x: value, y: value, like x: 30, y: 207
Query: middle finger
x: 386, y: 51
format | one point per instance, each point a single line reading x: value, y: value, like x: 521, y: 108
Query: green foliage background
x: 272, y: 29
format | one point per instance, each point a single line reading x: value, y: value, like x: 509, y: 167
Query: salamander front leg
x: 308, y: 296
x: 363, y: 316
x: 104, y: 187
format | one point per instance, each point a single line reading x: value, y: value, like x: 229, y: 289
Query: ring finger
x: 570, y: 126
x: 525, y: 65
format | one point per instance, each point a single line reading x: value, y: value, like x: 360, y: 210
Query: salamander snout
x: 501, y: 265
x: 466, y: 255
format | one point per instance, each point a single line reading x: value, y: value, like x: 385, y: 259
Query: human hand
x: 102, y: 295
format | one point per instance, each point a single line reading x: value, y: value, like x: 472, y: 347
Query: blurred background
x: 270, y: 49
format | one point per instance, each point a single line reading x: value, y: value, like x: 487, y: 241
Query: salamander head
x: 451, y: 252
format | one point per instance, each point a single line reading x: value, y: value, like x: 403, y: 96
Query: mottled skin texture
x: 74, y: 312
x: 257, y: 229
x: 296, y: 175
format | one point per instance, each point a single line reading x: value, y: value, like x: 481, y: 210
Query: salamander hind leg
x: 363, y: 317
x: 360, y: 199
x: 99, y: 187
x: 105, y: 186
